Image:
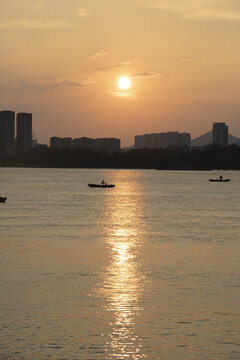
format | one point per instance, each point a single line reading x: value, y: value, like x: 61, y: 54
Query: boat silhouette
x: 220, y: 179
x: 102, y: 185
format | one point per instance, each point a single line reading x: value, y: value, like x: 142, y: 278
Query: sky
x: 61, y: 60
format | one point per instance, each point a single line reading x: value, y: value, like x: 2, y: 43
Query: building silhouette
x: 82, y: 143
x: 101, y: 144
x: 60, y: 143
x: 85, y: 143
x: 7, y: 132
x: 162, y: 140
x: 24, y: 132
x: 220, y: 134
x: 106, y: 144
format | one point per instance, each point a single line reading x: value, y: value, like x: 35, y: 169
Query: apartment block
x: 162, y: 140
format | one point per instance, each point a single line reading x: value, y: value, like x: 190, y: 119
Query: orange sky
x: 61, y: 60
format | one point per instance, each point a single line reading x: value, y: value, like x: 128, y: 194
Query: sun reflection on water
x: 124, y: 282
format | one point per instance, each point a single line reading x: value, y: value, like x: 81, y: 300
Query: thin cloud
x: 147, y: 74
x: 187, y: 59
x: 101, y: 53
x: 49, y: 84
x: 113, y: 66
x: 37, y: 5
x: 26, y: 24
x: 82, y: 13
x: 198, y: 9
x: 214, y: 15
x: 124, y: 94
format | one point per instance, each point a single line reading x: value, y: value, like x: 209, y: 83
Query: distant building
x: 143, y: 141
x: 162, y: 140
x: 24, y: 132
x: 41, y: 146
x: 106, y: 144
x: 220, y: 134
x: 60, y: 143
x: 102, y: 144
x: 7, y: 132
x: 185, y: 139
x: 82, y: 143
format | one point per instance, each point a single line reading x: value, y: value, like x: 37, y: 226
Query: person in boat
x: 103, y: 182
x: 220, y: 177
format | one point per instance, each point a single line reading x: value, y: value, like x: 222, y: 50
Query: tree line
x: 211, y: 157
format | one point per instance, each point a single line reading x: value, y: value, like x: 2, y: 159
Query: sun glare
x: 124, y: 83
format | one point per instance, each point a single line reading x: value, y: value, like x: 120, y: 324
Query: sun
x: 124, y: 83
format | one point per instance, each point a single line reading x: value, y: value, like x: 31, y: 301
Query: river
x: 146, y: 270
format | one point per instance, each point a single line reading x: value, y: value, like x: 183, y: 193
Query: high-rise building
x: 7, y: 132
x: 220, y: 134
x: 24, y: 132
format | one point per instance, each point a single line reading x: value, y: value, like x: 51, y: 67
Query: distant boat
x: 102, y: 185
x: 220, y: 179
x: 2, y: 199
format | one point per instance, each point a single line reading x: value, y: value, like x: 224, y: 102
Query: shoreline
x: 115, y: 168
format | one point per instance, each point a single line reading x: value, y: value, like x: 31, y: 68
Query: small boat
x: 102, y: 185
x: 220, y: 179
x: 2, y: 199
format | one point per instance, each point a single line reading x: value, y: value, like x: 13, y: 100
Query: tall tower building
x: 24, y: 132
x: 7, y: 132
x: 220, y: 134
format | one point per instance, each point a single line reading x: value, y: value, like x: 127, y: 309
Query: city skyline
x: 63, y: 61
x: 23, y: 139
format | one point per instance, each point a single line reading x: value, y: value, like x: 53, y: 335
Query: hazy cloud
x: 187, y: 59
x: 101, y: 53
x: 40, y: 13
x: 113, y: 66
x: 122, y: 94
x: 38, y: 5
x: 147, y: 74
x: 213, y: 14
x: 82, y: 13
x: 205, y: 9
x: 26, y: 24
x: 48, y: 84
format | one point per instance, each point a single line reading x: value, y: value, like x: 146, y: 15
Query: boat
x: 102, y: 185
x: 2, y: 199
x: 220, y: 179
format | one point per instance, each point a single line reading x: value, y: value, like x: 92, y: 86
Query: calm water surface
x: 147, y: 270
